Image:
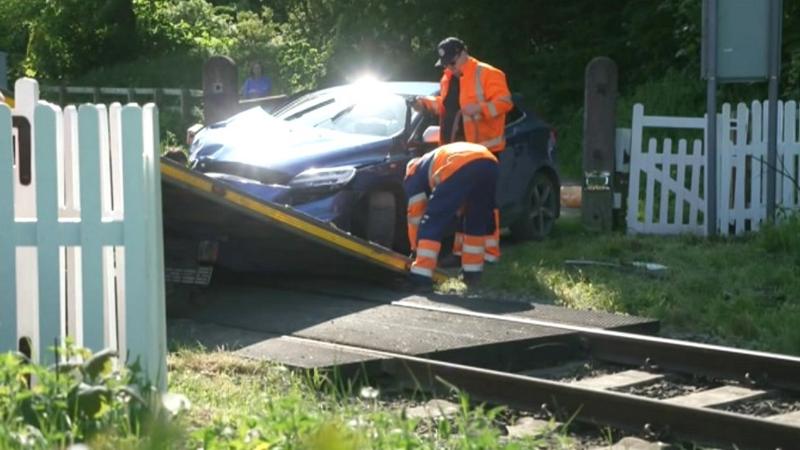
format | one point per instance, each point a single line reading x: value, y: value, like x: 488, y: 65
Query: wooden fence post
x: 599, y: 129
x: 8, y: 263
x: 143, y: 243
x: 46, y: 123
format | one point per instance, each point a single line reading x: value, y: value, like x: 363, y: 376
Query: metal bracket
x: 597, y: 181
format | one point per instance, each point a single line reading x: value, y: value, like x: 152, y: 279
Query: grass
x: 738, y: 291
x: 247, y: 404
x: 227, y: 402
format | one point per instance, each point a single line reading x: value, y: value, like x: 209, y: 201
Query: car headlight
x: 324, y: 178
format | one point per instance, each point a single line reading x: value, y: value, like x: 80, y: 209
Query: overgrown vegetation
x: 238, y: 404
x: 248, y: 404
x: 735, y: 291
x: 82, y: 400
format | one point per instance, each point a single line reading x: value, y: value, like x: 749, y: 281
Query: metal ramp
x: 208, y: 220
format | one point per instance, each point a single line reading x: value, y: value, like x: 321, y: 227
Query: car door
x: 517, y: 165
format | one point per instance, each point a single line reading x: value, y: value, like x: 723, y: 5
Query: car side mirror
x: 431, y: 135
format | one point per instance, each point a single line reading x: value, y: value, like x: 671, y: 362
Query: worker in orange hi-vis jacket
x: 472, y: 105
x: 438, y: 184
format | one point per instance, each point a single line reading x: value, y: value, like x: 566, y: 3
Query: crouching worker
x: 437, y: 185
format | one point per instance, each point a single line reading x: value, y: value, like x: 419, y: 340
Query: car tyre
x: 540, y: 209
x: 381, y: 219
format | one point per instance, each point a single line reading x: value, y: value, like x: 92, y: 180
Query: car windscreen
x: 350, y: 111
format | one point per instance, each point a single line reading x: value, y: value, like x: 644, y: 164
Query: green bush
x: 82, y: 400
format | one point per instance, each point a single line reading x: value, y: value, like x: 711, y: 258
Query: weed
x: 81, y: 399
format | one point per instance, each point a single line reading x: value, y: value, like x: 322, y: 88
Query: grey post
x: 220, y: 89
x: 599, y: 131
x: 775, y: 12
x: 711, y: 117
x: 732, y: 56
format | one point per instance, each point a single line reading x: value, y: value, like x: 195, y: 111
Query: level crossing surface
x: 323, y: 322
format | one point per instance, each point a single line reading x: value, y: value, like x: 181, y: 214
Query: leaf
x: 99, y: 363
x: 87, y: 400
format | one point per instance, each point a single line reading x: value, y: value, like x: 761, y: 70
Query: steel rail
x: 752, y: 367
x: 714, y: 361
x: 624, y: 411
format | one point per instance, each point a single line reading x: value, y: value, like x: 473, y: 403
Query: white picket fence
x: 667, y: 176
x: 81, y: 253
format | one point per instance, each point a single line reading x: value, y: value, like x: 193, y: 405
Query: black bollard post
x: 220, y: 89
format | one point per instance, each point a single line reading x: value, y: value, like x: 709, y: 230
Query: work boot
x: 472, y: 279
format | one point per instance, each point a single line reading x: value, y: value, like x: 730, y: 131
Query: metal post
x: 711, y: 117
x: 775, y: 11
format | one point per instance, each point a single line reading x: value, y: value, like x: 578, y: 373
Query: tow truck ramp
x: 209, y: 222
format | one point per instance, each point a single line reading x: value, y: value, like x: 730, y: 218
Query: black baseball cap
x: 448, y: 49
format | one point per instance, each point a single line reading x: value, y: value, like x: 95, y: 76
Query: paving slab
x: 381, y: 327
x: 258, y: 319
x: 480, y: 303
x: 293, y: 352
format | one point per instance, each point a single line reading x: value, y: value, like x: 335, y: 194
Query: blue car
x: 339, y: 155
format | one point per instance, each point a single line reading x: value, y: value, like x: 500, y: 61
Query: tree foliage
x: 543, y: 46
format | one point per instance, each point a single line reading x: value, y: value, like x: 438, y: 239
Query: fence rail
x: 184, y: 98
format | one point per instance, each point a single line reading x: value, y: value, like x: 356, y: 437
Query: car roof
x: 395, y: 87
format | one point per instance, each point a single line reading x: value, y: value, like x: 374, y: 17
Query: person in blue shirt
x: 257, y: 84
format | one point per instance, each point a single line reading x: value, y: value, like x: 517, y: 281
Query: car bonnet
x: 257, y: 138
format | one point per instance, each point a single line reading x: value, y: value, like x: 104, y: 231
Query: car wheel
x: 539, y: 210
x: 381, y: 218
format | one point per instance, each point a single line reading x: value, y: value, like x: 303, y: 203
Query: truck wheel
x: 381, y: 218
x: 539, y: 210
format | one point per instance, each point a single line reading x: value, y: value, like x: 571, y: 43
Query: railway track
x: 712, y: 410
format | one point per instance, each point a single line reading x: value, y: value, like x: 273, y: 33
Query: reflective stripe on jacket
x: 423, y: 174
x: 486, y: 86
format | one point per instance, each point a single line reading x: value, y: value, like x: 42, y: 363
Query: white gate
x: 665, y: 193
x: 667, y: 181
